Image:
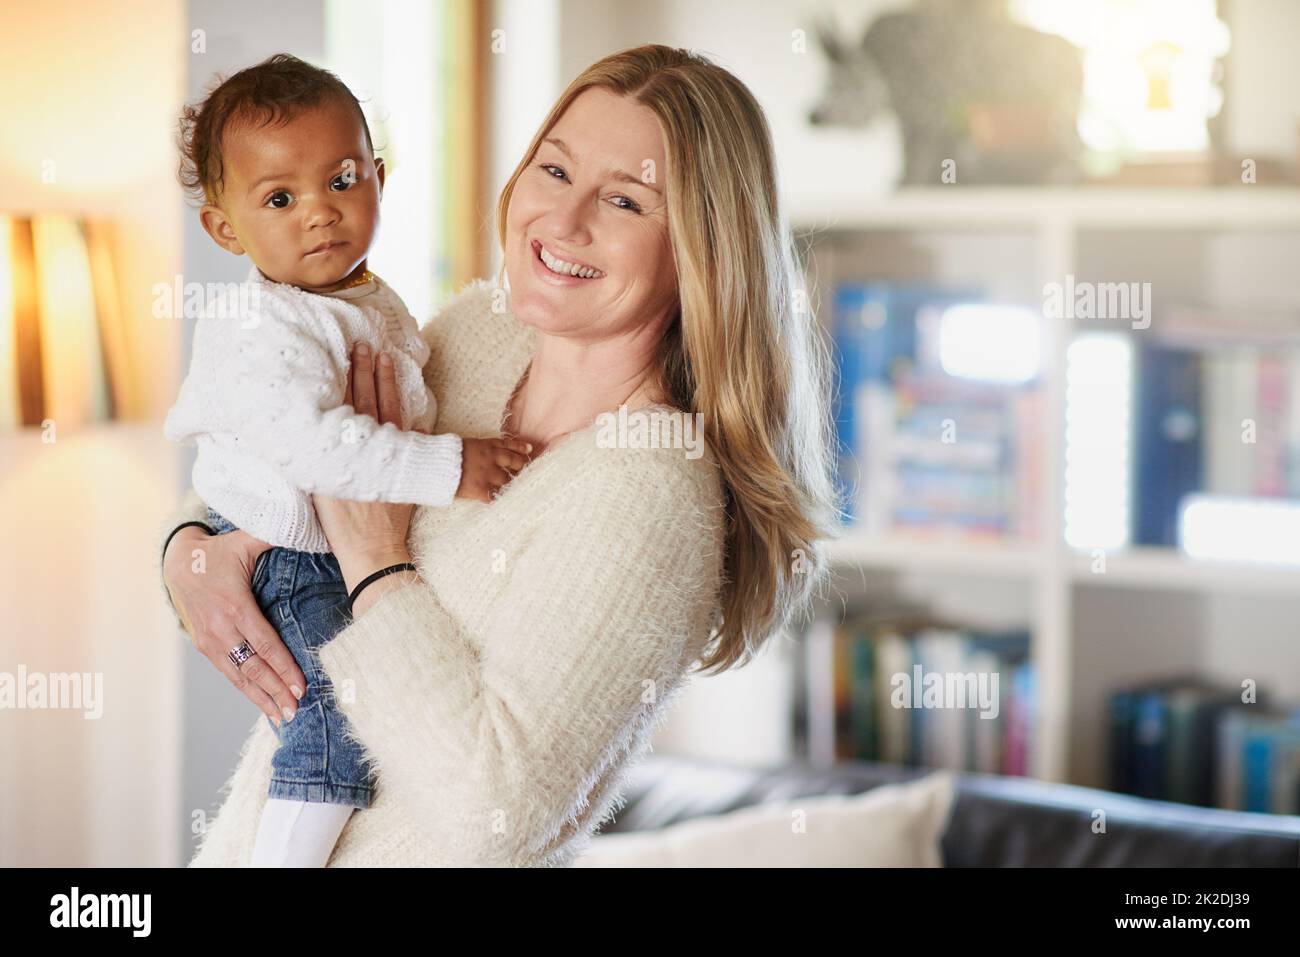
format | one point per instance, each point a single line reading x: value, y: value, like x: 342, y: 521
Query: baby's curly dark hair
x: 278, y: 88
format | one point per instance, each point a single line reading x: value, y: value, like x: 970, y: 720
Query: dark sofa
x: 995, y: 821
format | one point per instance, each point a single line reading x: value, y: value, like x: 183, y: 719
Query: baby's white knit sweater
x: 504, y: 695
x: 263, y: 403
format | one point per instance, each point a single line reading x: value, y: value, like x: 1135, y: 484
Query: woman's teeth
x: 568, y: 269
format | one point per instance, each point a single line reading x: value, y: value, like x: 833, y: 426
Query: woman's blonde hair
x: 745, y: 349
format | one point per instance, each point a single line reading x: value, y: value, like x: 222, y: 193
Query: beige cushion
x: 894, y: 825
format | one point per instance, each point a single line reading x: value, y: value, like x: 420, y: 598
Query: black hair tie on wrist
x: 203, y: 525
x: 391, y: 569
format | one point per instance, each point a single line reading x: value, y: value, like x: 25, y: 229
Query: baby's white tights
x: 298, y: 833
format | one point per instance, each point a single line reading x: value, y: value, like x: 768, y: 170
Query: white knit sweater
x: 263, y: 403
x: 504, y: 694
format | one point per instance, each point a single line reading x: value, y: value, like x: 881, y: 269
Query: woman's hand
x: 368, y: 536
x: 214, y: 599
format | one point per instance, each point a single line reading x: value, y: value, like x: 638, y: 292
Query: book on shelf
x: 1252, y: 414
x: 873, y: 326
x: 922, y: 449
x: 921, y: 694
x: 1190, y: 741
x: 1169, y: 434
x: 1265, y: 751
x: 1213, y: 416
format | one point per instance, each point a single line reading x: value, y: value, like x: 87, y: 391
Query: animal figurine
x: 977, y: 95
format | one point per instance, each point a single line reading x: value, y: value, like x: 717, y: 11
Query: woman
x: 503, y: 689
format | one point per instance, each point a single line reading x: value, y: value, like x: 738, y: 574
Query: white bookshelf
x: 1050, y: 225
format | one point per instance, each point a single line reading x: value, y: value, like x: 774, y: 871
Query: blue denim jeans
x: 304, y: 598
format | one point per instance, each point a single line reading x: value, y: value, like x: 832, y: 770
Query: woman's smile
x: 561, y: 272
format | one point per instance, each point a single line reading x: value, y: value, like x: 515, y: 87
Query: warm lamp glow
x: 70, y: 354
x: 50, y: 323
x: 8, y: 358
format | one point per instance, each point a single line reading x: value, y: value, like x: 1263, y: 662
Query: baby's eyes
x: 281, y: 199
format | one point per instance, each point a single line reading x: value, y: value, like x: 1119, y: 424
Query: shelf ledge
x: 1161, y: 569
x: 958, y: 555
x: 919, y: 208
x: 1169, y: 569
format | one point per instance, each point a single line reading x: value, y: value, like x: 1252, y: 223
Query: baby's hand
x: 488, y: 464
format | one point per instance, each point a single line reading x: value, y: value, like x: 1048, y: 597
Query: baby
x: 281, y: 155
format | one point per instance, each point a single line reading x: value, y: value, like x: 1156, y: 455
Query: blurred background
x: 1052, y: 242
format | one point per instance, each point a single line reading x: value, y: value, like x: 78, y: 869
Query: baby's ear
x: 379, y: 173
x: 218, y: 227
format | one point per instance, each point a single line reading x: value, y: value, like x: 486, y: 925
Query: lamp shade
x: 60, y: 322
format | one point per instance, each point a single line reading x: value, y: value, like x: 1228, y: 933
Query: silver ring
x: 240, y: 653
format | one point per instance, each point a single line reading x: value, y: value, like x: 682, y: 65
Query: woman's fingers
x: 260, y: 677
x: 390, y: 405
x: 372, y: 386
x: 259, y: 673
x: 363, y: 380
x: 259, y: 633
x: 256, y: 677
x: 217, y: 606
x: 249, y: 689
x: 283, y: 673
x: 215, y: 648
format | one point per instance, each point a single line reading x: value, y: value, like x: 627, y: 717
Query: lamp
x: 62, y: 344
